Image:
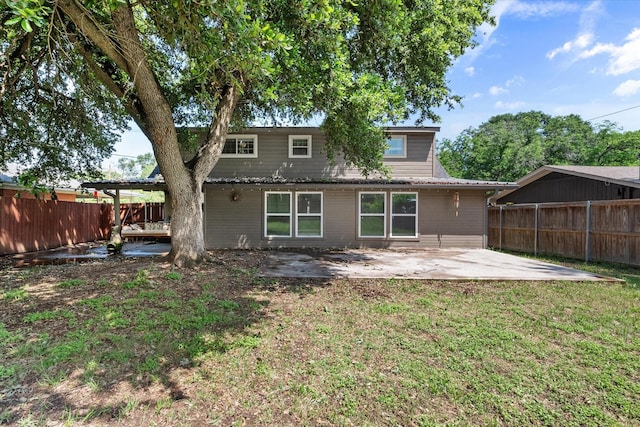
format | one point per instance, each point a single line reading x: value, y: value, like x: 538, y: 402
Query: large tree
x: 509, y: 146
x: 355, y: 65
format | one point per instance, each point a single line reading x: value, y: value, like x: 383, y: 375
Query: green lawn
x: 138, y: 344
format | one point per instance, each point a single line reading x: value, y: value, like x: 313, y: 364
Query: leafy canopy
x: 509, y: 146
x: 354, y: 65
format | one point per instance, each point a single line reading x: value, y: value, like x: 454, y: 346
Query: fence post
x: 535, y: 233
x: 500, y: 230
x: 588, y: 227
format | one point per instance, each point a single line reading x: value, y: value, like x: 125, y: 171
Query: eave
x: 427, y: 183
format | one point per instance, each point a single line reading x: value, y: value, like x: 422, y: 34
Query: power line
x: 615, y: 112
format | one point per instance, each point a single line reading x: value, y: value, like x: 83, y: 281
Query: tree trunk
x: 187, y: 226
x: 184, y: 184
x: 155, y: 118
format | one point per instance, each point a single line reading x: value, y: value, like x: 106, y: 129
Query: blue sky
x: 560, y: 57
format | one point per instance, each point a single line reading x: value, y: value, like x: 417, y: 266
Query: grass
x: 219, y: 345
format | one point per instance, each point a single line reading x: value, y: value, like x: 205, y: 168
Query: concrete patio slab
x: 447, y: 264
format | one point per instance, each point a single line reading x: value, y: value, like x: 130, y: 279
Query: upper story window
x: 397, y: 147
x: 300, y: 146
x: 240, y: 146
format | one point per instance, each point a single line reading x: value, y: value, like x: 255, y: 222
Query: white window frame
x: 309, y: 147
x: 304, y: 214
x: 267, y: 214
x: 383, y: 214
x: 392, y: 215
x: 404, y: 148
x: 253, y: 137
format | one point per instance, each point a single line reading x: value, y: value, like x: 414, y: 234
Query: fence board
x: 614, y: 229
x: 31, y: 225
x: 131, y: 213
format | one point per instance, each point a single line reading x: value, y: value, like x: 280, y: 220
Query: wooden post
x: 535, y: 232
x: 116, y: 209
x: 500, y: 230
x: 586, y: 236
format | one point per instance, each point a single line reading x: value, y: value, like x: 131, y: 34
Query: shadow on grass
x: 91, y: 341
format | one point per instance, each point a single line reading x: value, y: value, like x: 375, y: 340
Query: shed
x: 574, y: 184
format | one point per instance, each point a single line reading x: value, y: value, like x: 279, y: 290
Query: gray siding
x: 240, y: 224
x: 273, y: 152
x: 559, y: 187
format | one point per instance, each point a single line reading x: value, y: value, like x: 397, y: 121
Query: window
x: 309, y: 214
x: 278, y: 214
x: 372, y: 212
x: 404, y: 214
x: 240, y: 146
x: 397, y: 147
x: 300, y: 146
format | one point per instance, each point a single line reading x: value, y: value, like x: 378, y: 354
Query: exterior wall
x: 273, y: 158
x: 63, y: 197
x: 240, y: 223
x: 558, y: 187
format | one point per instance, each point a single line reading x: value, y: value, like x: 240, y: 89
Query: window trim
x: 383, y: 214
x: 392, y: 215
x: 237, y: 155
x: 404, y: 148
x: 321, y: 215
x: 309, y: 146
x: 267, y: 215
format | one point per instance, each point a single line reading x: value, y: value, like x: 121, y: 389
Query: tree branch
x: 209, y: 152
x: 131, y: 103
x: 82, y: 19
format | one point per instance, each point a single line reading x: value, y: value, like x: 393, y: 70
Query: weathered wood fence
x: 607, y: 230
x: 33, y: 225
x: 141, y: 212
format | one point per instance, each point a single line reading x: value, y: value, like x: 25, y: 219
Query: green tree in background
x: 509, y: 146
x: 73, y: 72
x: 138, y: 167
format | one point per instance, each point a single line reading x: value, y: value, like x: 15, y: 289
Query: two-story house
x: 274, y: 187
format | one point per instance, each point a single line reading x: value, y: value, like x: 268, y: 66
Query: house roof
x: 622, y: 175
x: 417, y: 182
x: 7, y: 178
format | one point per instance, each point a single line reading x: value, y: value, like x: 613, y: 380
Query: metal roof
x: 418, y: 182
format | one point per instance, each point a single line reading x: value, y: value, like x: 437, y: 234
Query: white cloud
x: 546, y: 8
x: 519, y: 9
x: 515, y: 81
x: 497, y: 90
x: 516, y: 105
x: 476, y: 95
x: 470, y: 71
x: 628, y: 88
x: 580, y: 42
x: 585, y: 36
x: 624, y: 58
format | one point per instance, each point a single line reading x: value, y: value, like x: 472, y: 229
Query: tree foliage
x: 85, y: 66
x: 139, y: 167
x: 509, y: 146
x: 56, y: 120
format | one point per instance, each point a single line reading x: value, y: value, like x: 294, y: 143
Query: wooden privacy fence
x: 131, y: 213
x: 33, y: 225
x: 606, y: 230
